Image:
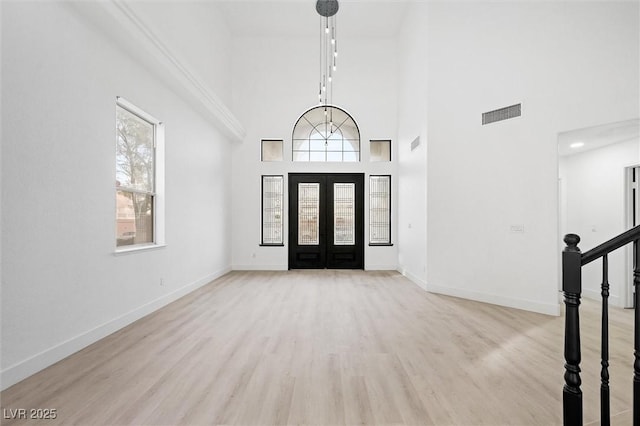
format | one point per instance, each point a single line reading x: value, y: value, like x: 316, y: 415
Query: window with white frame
x: 380, y: 210
x: 139, y: 177
x: 272, y: 224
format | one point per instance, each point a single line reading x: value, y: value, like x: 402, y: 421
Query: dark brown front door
x: 326, y: 221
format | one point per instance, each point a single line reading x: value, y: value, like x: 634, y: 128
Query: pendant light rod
x: 327, y: 10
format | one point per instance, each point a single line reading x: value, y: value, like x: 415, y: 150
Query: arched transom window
x: 326, y: 133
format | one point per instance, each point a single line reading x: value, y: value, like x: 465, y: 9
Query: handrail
x: 611, y: 245
x: 572, y: 262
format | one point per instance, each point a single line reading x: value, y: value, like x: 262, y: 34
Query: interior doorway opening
x: 596, y: 167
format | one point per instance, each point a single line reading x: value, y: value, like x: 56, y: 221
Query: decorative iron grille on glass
x: 380, y: 210
x: 136, y: 180
x: 344, y: 220
x: 308, y: 214
x: 326, y: 133
x: 272, y: 224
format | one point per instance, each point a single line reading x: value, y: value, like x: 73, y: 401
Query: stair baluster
x: 572, y: 287
x: 605, y: 411
x: 572, y: 262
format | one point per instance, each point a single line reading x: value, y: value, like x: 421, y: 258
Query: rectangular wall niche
x: 380, y: 150
x: 272, y: 150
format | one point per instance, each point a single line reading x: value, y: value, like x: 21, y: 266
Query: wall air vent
x: 415, y: 143
x: 502, y: 114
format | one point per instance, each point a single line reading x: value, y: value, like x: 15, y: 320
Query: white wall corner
x: 596, y: 295
x: 413, y: 278
x: 20, y: 371
x: 132, y: 34
x: 509, y: 302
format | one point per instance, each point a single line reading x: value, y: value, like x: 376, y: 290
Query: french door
x: 326, y: 221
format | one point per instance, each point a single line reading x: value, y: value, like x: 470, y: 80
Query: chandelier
x: 327, y: 10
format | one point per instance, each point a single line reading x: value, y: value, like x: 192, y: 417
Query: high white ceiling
x: 598, y: 136
x: 298, y: 18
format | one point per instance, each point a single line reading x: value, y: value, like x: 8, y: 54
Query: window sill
x: 135, y: 249
x: 380, y: 244
x: 271, y: 245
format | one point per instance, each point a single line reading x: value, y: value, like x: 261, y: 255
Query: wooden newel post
x: 572, y: 288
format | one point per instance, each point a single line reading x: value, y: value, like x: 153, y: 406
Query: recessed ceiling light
x: 576, y: 145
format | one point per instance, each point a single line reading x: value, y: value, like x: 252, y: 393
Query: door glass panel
x: 344, y: 204
x: 308, y: 214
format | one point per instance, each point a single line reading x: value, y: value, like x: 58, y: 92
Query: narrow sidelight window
x: 272, y: 225
x: 138, y: 138
x: 380, y: 210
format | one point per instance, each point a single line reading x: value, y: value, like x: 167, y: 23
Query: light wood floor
x: 328, y: 348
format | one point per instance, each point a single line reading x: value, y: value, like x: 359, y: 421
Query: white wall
x: 594, y: 196
x: 197, y: 32
x: 274, y: 81
x: 572, y: 65
x: 412, y: 124
x: 62, y: 285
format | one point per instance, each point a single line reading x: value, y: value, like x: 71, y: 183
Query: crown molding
x: 132, y: 34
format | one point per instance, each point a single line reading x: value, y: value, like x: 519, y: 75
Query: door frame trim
x: 292, y: 244
x: 629, y: 220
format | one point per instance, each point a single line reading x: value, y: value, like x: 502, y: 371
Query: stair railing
x: 572, y: 262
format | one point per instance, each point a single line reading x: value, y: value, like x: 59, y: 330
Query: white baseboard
x: 414, y: 278
x: 596, y: 295
x: 23, y: 369
x: 381, y: 267
x: 286, y: 268
x: 527, y: 305
x: 259, y: 267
